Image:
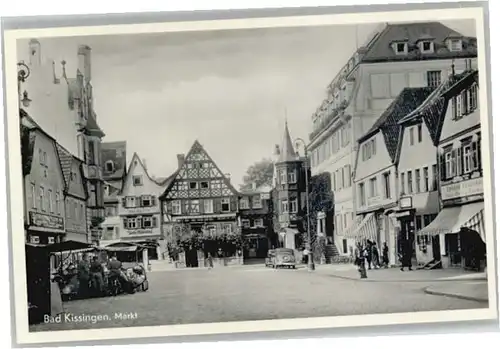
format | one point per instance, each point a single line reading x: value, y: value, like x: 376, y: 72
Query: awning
x: 348, y: 233
x: 366, y: 229
x: 476, y: 223
x: 451, y: 219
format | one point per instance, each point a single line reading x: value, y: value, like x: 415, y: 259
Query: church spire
x: 287, y: 151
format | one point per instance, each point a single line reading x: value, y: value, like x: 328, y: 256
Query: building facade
x: 376, y: 173
x: 395, y: 57
x: 139, y: 208
x: 459, y: 225
x: 44, y: 186
x: 256, y: 221
x: 114, y: 160
x: 75, y: 197
x: 289, y: 194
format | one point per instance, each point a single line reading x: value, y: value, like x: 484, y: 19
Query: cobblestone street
x: 254, y: 293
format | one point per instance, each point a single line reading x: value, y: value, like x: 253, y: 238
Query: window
x: 433, y: 78
x: 401, y: 48
x: 40, y: 156
x: 345, y: 220
x: 347, y: 170
x: 369, y: 149
x: 284, y: 206
x: 410, y: 182
x: 245, y: 223
x: 211, y: 229
x: 51, y: 206
x: 387, y: 185
x: 137, y: 180
x: 244, y: 203
x: 75, y: 208
x: 455, y: 45
x: 256, y: 202
x: 373, y: 187
x: 449, y: 164
x: 412, y: 136
x: 292, y: 177
x: 344, y: 245
x: 419, y: 133
x: 403, y: 183
x: 418, y: 221
x: 427, y: 47
x: 33, y: 195
x: 227, y: 228
x: 208, y: 206
x: 362, y: 198
x: 130, y: 223
x: 434, y: 177
x: 282, y: 176
x: 426, y: 179
x: 417, y: 181
x: 92, y: 152
x: 194, y: 207
x: 176, y: 207
x: 147, y: 222
x: 130, y: 201
x: 204, y: 185
x: 41, y: 195
x: 109, y: 166
x: 193, y: 185
x: 258, y: 222
x: 146, y: 201
x: 226, y: 205
x: 34, y: 239
x: 51, y: 240
x: 293, y: 206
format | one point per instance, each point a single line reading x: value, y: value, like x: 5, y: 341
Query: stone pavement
x: 468, y: 290
x: 350, y: 272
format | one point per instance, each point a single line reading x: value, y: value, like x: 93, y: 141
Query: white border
x: 16, y: 205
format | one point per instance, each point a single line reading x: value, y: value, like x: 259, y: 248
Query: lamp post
x: 23, y: 72
x: 310, y: 259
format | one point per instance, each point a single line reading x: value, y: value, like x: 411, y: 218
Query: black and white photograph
x: 238, y: 175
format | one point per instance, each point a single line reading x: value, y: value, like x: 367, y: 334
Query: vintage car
x: 283, y: 258
x: 269, y: 258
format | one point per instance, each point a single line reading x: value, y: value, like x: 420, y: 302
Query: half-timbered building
x: 199, y: 200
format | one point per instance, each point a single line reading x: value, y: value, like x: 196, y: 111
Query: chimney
x: 254, y: 186
x: 180, y: 160
x: 228, y: 176
x: 35, y: 53
x: 144, y: 164
x: 84, y: 62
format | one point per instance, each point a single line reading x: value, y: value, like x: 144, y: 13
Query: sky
x: 231, y: 90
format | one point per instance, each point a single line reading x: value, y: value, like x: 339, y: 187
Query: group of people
x: 368, y: 255
x: 88, y: 278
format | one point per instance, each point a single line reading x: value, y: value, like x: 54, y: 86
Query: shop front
x: 44, y: 229
x: 457, y: 234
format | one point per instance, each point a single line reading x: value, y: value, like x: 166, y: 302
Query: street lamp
x: 23, y: 72
x: 310, y: 259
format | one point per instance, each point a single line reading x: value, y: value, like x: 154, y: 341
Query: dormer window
x: 426, y: 46
x: 109, y: 166
x: 400, y: 48
x: 455, y: 45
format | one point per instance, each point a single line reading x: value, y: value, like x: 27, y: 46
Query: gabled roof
x: 136, y: 157
x: 380, y: 50
x: 195, y: 147
x: 66, y: 161
x: 115, y: 152
x: 287, y: 150
x: 432, y: 111
x: 388, y: 123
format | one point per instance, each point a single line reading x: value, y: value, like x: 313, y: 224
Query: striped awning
x: 476, y: 223
x: 349, y: 232
x: 366, y: 229
x: 451, y: 219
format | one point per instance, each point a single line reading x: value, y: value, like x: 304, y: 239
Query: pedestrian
x: 385, y: 255
x: 406, y: 255
x: 359, y: 260
x: 368, y: 254
x: 375, y: 255
x: 116, y: 273
x: 84, y: 276
x: 305, y: 256
x: 210, y: 261
x: 97, y: 276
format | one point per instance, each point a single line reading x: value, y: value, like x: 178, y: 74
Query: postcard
x: 242, y: 175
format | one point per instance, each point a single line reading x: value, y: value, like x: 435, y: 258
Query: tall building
x: 139, y: 208
x: 199, y: 198
x: 289, y: 194
x: 114, y: 160
x: 395, y: 57
x: 62, y: 106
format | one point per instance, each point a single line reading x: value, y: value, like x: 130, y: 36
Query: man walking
x: 84, y: 276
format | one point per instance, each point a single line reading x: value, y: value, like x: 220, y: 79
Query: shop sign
x: 42, y: 220
x: 265, y: 196
x: 465, y: 188
x: 140, y: 232
x: 405, y: 202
